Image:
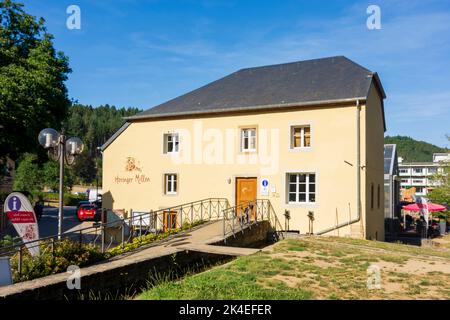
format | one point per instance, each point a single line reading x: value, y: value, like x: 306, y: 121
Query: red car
x: 86, y: 212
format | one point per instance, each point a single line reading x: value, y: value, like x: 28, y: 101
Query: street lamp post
x: 64, y: 150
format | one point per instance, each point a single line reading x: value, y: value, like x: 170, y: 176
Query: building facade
x: 307, y: 135
x: 419, y: 174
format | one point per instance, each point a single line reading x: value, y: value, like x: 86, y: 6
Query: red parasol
x: 432, y: 207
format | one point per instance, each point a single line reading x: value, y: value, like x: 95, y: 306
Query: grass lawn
x: 319, y: 268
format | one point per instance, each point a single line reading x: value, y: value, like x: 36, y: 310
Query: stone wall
x: 123, y: 280
x: 111, y: 279
x: 257, y: 236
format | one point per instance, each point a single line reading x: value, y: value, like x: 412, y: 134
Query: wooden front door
x: 170, y: 220
x: 246, y: 190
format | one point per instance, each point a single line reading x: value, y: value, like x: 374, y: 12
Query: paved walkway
x: 199, y: 239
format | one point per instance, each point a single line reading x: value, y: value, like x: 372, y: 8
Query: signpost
x: 5, y: 272
x: 264, y: 188
x: 20, y: 212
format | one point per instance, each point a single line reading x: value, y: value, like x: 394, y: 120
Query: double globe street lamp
x: 62, y: 150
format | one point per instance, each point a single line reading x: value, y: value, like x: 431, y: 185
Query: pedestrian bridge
x: 226, y: 232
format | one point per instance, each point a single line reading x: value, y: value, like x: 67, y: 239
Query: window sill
x: 302, y: 204
x: 302, y: 149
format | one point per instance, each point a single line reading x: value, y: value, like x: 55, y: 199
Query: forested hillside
x: 95, y: 125
x: 413, y: 150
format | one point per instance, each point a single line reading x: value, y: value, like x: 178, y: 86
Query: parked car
x: 86, y: 212
x: 83, y: 202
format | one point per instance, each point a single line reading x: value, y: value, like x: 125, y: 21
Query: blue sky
x: 143, y: 52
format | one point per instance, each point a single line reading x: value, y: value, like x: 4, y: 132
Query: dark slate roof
x: 325, y: 80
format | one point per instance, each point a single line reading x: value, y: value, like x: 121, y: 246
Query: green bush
x: 66, y: 253
x: 9, y: 241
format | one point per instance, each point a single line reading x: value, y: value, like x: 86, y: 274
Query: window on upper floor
x: 418, y: 170
x: 403, y: 170
x: 248, y: 140
x: 171, y: 143
x: 300, y: 137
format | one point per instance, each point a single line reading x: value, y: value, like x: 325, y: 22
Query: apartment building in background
x: 419, y: 174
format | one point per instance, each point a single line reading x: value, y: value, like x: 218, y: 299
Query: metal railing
x: 134, y: 227
x: 245, y: 215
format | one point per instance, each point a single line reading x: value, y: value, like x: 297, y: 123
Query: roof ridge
x: 335, y: 78
x: 296, y: 62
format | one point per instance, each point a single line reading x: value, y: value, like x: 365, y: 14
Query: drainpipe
x: 358, y: 176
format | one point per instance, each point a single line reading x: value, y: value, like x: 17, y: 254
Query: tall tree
x: 28, y: 175
x: 32, y: 75
x: 441, y: 179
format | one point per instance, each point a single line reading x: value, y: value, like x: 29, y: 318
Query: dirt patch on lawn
x: 417, y: 267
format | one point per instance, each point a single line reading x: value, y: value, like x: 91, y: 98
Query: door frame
x: 235, y: 194
x: 236, y: 191
x: 173, y: 215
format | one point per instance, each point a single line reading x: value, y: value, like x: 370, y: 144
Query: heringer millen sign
x: 135, y: 175
x: 19, y: 211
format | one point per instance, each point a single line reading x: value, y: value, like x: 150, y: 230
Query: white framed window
x: 170, y: 183
x: 301, y: 187
x: 300, y: 137
x: 171, y: 143
x: 403, y: 170
x: 432, y: 170
x: 418, y: 170
x: 248, y: 140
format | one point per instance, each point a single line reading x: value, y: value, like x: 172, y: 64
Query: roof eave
x: 244, y: 109
x: 115, y: 136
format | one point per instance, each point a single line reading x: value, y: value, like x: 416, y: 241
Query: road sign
x: 264, y: 187
x: 20, y: 212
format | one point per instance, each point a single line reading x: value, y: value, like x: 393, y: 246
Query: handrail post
x: 123, y: 233
x: 223, y: 213
x: 192, y: 214
x: 232, y: 223
x: 218, y: 208
x: 181, y: 217
x: 201, y: 211
x: 210, y: 206
x: 19, y: 264
x: 103, y: 229
x: 140, y: 228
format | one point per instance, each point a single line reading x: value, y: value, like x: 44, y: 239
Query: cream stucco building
x: 306, y: 135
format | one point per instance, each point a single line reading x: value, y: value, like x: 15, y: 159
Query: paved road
x: 48, y: 225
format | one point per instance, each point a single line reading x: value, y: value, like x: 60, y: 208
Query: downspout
x: 358, y: 176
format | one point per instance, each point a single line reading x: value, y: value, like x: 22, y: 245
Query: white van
x: 93, y: 195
